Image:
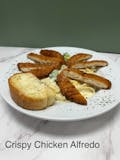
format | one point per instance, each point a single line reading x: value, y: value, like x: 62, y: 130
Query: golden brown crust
x: 53, y: 53
x: 26, y: 67
x: 77, y: 58
x: 89, y: 64
x: 92, y: 79
x: 25, y: 101
x: 42, y: 72
x: 44, y: 59
x: 69, y: 91
x: 29, y: 66
x: 39, y: 70
x: 95, y: 78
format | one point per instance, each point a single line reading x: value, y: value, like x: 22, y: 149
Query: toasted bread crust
x: 30, y: 102
x: 69, y: 91
x: 77, y: 58
x: 23, y: 100
x: 90, y: 64
x: 92, y: 79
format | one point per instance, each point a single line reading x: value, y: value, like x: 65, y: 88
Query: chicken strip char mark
x: 77, y: 58
x: 45, y: 59
x: 69, y: 90
x: 91, y: 79
x: 52, y: 53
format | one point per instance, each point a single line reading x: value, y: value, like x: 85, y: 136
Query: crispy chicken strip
x: 69, y: 90
x: 91, y: 79
x: 42, y: 72
x: 77, y: 58
x: 52, y: 53
x: 90, y: 64
x: 26, y: 67
x: 44, y: 59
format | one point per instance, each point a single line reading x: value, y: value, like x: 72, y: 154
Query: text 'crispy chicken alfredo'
x: 65, y: 77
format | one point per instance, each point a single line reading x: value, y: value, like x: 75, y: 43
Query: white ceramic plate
x: 101, y: 102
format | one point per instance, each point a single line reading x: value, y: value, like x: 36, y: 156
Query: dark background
x: 93, y: 24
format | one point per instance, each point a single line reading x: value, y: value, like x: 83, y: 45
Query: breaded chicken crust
x: 90, y: 64
x: 69, y: 90
x: 42, y: 72
x: 91, y: 79
x: 26, y: 67
x: 53, y: 53
x: 45, y: 59
x: 77, y: 58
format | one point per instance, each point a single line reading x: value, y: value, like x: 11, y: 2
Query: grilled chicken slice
x: 26, y: 67
x: 52, y: 53
x: 69, y: 90
x: 91, y: 79
x: 77, y: 58
x: 44, y: 59
x: 90, y: 64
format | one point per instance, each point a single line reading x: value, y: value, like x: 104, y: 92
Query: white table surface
x: 17, y: 127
